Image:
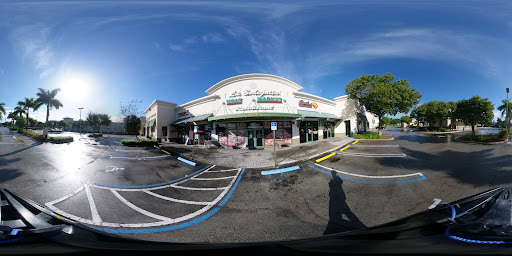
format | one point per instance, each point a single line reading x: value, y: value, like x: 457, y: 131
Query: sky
x: 102, y: 54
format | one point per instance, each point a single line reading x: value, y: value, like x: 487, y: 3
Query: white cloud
x: 176, y: 48
x: 212, y: 38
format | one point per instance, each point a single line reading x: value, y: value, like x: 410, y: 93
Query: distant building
x: 68, y: 120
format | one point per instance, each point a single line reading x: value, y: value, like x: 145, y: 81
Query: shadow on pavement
x: 338, y: 208
x: 9, y: 174
x: 9, y: 161
x: 20, y: 150
x: 484, y: 167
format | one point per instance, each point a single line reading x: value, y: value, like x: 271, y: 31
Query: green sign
x: 270, y: 100
x: 234, y: 101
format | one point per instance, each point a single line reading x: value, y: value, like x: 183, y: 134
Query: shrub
x: 368, y: 136
x: 41, y: 137
x: 95, y: 135
x: 442, y: 129
x: 139, y: 143
x: 60, y: 139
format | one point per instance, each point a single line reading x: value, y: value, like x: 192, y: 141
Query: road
x: 149, y: 194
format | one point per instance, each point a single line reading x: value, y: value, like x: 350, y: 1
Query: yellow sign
x: 253, y: 114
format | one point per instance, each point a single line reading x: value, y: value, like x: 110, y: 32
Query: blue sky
x: 101, y: 53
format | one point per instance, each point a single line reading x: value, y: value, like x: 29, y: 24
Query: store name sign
x: 153, y: 115
x: 306, y: 104
x: 234, y: 101
x: 254, y: 93
x: 270, y: 100
x: 254, y: 108
x: 183, y: 113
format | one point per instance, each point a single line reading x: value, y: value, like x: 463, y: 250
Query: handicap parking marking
x: 209, y: 207
x: 421, y: 176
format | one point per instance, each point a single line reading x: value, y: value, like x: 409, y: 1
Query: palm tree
x: 2, y: 110
x: 503, y: 109
x: 28, y: 104
x: 47, y: 98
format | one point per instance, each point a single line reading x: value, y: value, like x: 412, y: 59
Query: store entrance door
x: 255, y: 138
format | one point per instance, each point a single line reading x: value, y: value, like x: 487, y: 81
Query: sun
x: 75, y: 86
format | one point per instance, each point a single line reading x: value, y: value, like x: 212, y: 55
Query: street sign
x: 273, y: 126
x: 195, y: 129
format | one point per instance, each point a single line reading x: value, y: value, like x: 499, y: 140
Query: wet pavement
x: 148, y: 194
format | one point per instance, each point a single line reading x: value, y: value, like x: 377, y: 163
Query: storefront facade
x: 238, y: 111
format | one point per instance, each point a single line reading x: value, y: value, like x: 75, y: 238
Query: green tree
x: 475, y: 111
x: 28, y: 104
x: 386, y: 120
x: 382, y: 95
x: 2, y: 110
x: 406, y: 119
x: 131, y: 124
x: 47, y: 98
x: 12, y: 116
x: 503, y: 109
x: 97, y: 120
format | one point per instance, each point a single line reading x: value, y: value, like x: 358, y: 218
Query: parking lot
x: 149, y: 193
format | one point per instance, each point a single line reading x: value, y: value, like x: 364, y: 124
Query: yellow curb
x: 355, y: 142
x: 345, y: 148
x: 325, y: 157
x: 20, y: 141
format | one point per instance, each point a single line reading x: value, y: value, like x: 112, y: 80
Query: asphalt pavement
x: 318, y: 189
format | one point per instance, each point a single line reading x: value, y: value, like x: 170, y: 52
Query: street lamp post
x: 80, y: 120
x: 507, y: 112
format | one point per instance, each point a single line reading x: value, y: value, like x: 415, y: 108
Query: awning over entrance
x: 362, y: 117
x: 307, y: 113
x: 262, y: 116
x: 192, y: 119
x: 150, y: 123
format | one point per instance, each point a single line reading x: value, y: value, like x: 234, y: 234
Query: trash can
x: 351, y: 134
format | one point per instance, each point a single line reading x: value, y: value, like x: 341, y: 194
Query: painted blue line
x: 179, y: 226
x: 149, y: 186
x: 186, y: 161
x: 371, y: 182
x: 289, y: 169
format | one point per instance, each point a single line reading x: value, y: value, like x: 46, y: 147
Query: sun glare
x: 75, y: 86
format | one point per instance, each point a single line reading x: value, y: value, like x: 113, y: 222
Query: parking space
x: 170, y: 203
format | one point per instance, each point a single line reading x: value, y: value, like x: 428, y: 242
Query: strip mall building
x: 238, y: 111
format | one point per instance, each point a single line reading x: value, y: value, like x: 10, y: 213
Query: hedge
x: 487, y: 138
x: 41, y: 137
x: 368, y: 136
x: 139, y: 143
x: 96, y: 135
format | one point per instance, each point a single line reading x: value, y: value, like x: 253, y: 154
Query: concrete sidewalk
x: 256, y: 158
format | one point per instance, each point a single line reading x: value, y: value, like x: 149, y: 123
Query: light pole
x: 80, y: 120
x: 507, y: 111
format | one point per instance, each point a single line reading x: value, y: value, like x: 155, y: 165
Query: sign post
x: 273, y: 127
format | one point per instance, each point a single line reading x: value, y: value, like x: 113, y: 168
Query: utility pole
x: 507, y: 112
x: 80, y: 120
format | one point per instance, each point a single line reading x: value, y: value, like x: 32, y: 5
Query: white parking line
x: 375, y: 146
x: 371, y: 155
x: 436, y: 202
x: 373, y: 177
x: 220, y: 178
x: 162, y: 219
x: 96, y: 219
x: 140, y: 210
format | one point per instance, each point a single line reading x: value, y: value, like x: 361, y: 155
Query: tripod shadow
x: 340, y: 217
